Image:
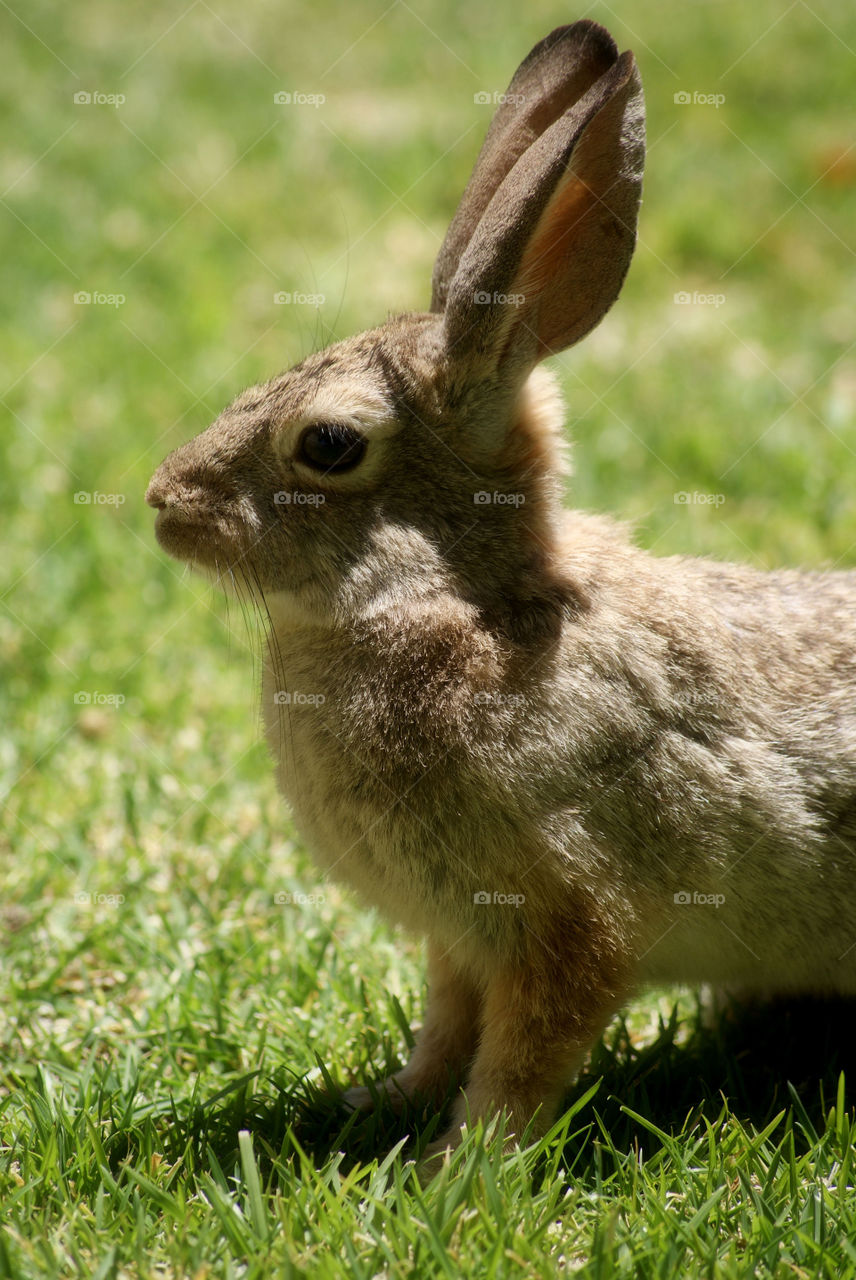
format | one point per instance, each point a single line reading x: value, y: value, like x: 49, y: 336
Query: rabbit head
x: 413, y: 456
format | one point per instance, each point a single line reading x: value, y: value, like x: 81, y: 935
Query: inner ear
x: 555, y: 75
x: 550, y: 252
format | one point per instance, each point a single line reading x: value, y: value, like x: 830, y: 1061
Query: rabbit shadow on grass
x: 684, y: 1075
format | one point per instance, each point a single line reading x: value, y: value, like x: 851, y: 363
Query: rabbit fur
x: 574, y: 767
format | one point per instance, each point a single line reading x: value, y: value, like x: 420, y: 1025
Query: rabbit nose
x: 156, y: 493
x: 166, y: 489
x: 154, y: 496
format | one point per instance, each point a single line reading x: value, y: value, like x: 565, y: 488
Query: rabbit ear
x: 551, y: 79
x: 550, y: 251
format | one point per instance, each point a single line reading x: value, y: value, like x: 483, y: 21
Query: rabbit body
x: 573, y: 766
x: 687, y: 731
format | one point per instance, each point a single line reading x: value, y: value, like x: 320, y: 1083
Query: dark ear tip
x: 584, y: 39
x: 627, y: 61
x: 623, y: 71
x: 588, y: 33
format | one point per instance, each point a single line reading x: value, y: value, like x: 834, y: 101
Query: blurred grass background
x: 197, y: 199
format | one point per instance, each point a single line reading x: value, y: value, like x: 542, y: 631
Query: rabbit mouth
x: 203, y: 539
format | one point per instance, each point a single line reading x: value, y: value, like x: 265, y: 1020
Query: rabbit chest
x: 393, y: 750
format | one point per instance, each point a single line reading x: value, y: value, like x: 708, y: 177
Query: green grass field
x: 164, y: 1014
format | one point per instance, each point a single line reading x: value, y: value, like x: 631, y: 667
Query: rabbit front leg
x: 540, y: 1019
x: 444, y: 1047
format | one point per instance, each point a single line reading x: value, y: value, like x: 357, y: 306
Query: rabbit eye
x: 331, y: 447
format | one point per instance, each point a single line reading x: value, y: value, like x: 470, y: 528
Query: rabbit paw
x: 436, y: 1156
x: 385, y: 1093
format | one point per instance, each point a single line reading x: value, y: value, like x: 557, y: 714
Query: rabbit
x: 575, y: 768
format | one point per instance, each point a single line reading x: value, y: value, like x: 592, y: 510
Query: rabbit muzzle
x: 201, y: 519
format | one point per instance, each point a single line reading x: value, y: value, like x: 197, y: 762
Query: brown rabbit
x: 575, y: 767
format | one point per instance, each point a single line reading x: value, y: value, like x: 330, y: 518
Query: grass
x: 169, y: 1002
